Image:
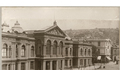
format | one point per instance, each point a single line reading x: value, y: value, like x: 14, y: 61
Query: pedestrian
x: 114, y: 58
x: 117, y: 59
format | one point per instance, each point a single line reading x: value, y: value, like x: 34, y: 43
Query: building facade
x: 115, y: 53
x: 103, y: 48
x: 18, y: 50
x: 82, y: 54
x: 45, y: 49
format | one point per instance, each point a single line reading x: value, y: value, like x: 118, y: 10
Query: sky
x: 35, y: 18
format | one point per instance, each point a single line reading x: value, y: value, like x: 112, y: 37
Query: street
x: 108, y: 66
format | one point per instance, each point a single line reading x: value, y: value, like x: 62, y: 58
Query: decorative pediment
x: 56, y: 32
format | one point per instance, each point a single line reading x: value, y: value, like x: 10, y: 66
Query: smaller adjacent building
x: 82, y: 54
x: 101, y: 49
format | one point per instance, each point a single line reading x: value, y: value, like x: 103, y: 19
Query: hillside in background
x: 97, y: 33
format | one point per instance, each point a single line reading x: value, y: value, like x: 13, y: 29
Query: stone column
x: 19, y: 66
x: 90, y: 61
x: 28, y: 48
x: 13, y: 50
x: 7, y: 66
x: 63, y: 64
x: 51, y: 50
x: 63, y: 51
x: 78, y: 51
x: 19, y: 50
x: 51, y: 65
x: 44, y: 65
x: 68, y: 64
x: 86, y: 62
x: 11, y: 68
x: 8, y: 51
x: 14, y: 66
x: 26, y: 66
x: 57, y: 50
x: 78, y: 62
x: 83, y: 62
x: 29, y: 65
x: 57, y: 65
x: 44, y: 50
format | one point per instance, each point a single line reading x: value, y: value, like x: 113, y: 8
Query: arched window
x: 39, y: 46
x: 48, y: 46
x: 70, y: 51
x: 4, y: 50
x: 23, y: 51
x: 89, y: 52
x: 10, y: 51
x: 85, y: 51
x: 32, y: 51
x: 81, y: 51
x: 66, y: 50
x: 55, y: 48
x: 16, y: 51
x: 61, y: 48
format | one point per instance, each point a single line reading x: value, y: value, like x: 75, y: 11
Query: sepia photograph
x: 60, y: 38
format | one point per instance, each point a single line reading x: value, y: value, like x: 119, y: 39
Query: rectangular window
x: 65, y: 62
x: 32, y: 65
x: 61, y: 63
x: 98, y: 51
x: 4, y: 67
x: 9, y: 67
x: 88, y: 61
x: 81, y: 61
x: 47, y: 50
x: 47, y: 65
x: 98, y: 43
x: 16, y: 66
x: 70, y: 63
x: 22, y: 66
x: 4, y: 52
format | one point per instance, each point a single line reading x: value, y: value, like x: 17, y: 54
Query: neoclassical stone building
x: 45, y: 49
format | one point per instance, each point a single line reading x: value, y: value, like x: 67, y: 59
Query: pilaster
x: 63, y: 64
x: 57, y: 65
x: 44, y: 65
x: 44, y: 50
x: 51, y: 50
x: 51, y: 65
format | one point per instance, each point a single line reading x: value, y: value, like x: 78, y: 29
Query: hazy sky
x: 66, y: 17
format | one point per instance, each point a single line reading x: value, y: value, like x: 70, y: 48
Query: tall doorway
x: 85, y: 62
x: 54, y: 65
